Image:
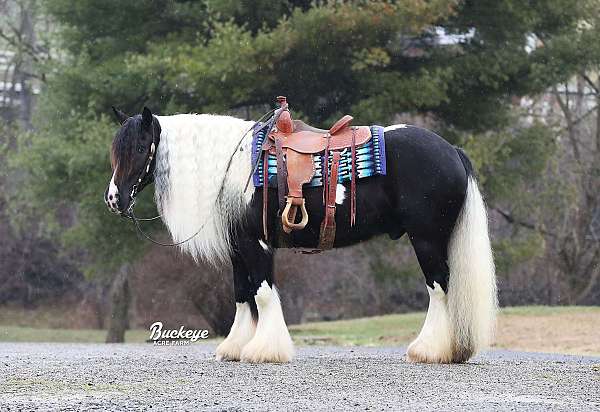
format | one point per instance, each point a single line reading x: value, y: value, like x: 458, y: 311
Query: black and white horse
x: 429, y: 193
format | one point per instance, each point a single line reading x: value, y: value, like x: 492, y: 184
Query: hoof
x: 228, y: 351
x: 434, y: 343
x: 268, y: 351
x: 242, y: 332
x: 421, y: 352
x: 271, y: 342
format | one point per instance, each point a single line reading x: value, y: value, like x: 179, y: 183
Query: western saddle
x: 294, y: 143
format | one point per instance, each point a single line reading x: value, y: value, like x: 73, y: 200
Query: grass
x: 563, y: 329
x: 47, y: 324
x: 374, y: 331
x: 548, y: 310
x: 29, y: 334
x: 559, y: 329
x: 47, y: 317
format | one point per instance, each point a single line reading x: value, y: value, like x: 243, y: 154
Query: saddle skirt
x: 370, y: 159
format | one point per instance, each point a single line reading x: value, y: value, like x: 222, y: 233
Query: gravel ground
x: 142, y: 376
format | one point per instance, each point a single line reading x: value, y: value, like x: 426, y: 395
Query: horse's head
x: 132, y: 158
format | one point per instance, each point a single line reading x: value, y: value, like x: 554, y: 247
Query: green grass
x: 402, y: 328
x: 378, y: 330
x: 548, y: 310
x: 29, y: 334
x: 388, y: 330
x: 47, y: 317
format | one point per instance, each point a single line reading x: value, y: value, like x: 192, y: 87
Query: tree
x: 120, y: 298
x: 73, y: 133
x: 558, y: 211
x: 31, y: 266
x: 459, y: 63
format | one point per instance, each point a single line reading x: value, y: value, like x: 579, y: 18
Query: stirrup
x: 285, y: 217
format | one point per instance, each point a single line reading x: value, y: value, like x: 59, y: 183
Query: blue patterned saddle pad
x: 370, y: 159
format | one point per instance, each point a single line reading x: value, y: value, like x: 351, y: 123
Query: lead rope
x: 217, y: 200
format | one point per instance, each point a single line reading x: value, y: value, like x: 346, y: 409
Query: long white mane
x: 191, y: 161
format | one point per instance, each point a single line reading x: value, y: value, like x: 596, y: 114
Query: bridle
x: 146, y: 177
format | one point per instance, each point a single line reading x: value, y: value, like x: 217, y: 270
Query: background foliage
x: 486, y: 75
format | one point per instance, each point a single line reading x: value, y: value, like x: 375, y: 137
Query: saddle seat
x: 303, y: 138
x: 294, y: 143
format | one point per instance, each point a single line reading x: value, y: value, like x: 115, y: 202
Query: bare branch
x: 595, y: 275
x: 585, y: 115
x: 598, y: 129
x: 570, y: 125
x: 25, y: 47
x: 590, y: 82
x: 514, y: 220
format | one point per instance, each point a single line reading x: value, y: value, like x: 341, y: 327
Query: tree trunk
x: 119, y: 307
x: 23, y: 76
x: 212, y: 294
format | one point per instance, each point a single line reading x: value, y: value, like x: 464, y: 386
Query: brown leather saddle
x: 294, y: 143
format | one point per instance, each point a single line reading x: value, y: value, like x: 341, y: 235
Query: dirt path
x: 140, y: 376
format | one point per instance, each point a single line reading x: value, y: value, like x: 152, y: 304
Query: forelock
x: 122, y: 149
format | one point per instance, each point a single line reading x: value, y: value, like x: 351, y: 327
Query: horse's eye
x: 140, y: 149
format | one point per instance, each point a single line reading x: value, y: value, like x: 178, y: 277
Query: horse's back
x: 426, y: 177
x: 413, y: 146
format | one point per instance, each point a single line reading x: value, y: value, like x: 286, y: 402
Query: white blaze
x: 113, y: 194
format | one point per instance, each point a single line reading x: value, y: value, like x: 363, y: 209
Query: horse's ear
x: 146, y: 118
x: 121, y: 117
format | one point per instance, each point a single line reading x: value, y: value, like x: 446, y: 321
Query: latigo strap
x: 282, y: 175
x: 327, y: 233
x: 265, y: 193
x: 353, y: 180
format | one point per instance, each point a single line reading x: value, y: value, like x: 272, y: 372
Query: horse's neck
x: 193, y: 157
x: 203, y: 142
x: 203, y: 131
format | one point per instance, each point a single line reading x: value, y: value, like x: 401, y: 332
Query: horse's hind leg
x: 272, y: 341
x: 459, y: 268
x: 434, y: 343
x: 244, y: 323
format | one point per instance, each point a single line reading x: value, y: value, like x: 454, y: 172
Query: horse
x: 200, y: 171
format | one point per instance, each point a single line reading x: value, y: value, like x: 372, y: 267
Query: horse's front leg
x: 272, y: 341
x: 244, y: 323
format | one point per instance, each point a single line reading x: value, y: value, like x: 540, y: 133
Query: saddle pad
x: 370, y: 159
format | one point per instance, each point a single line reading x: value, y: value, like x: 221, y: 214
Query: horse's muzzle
x: 112, y: 201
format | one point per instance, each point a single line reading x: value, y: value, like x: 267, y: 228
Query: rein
x: 130, y: 214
